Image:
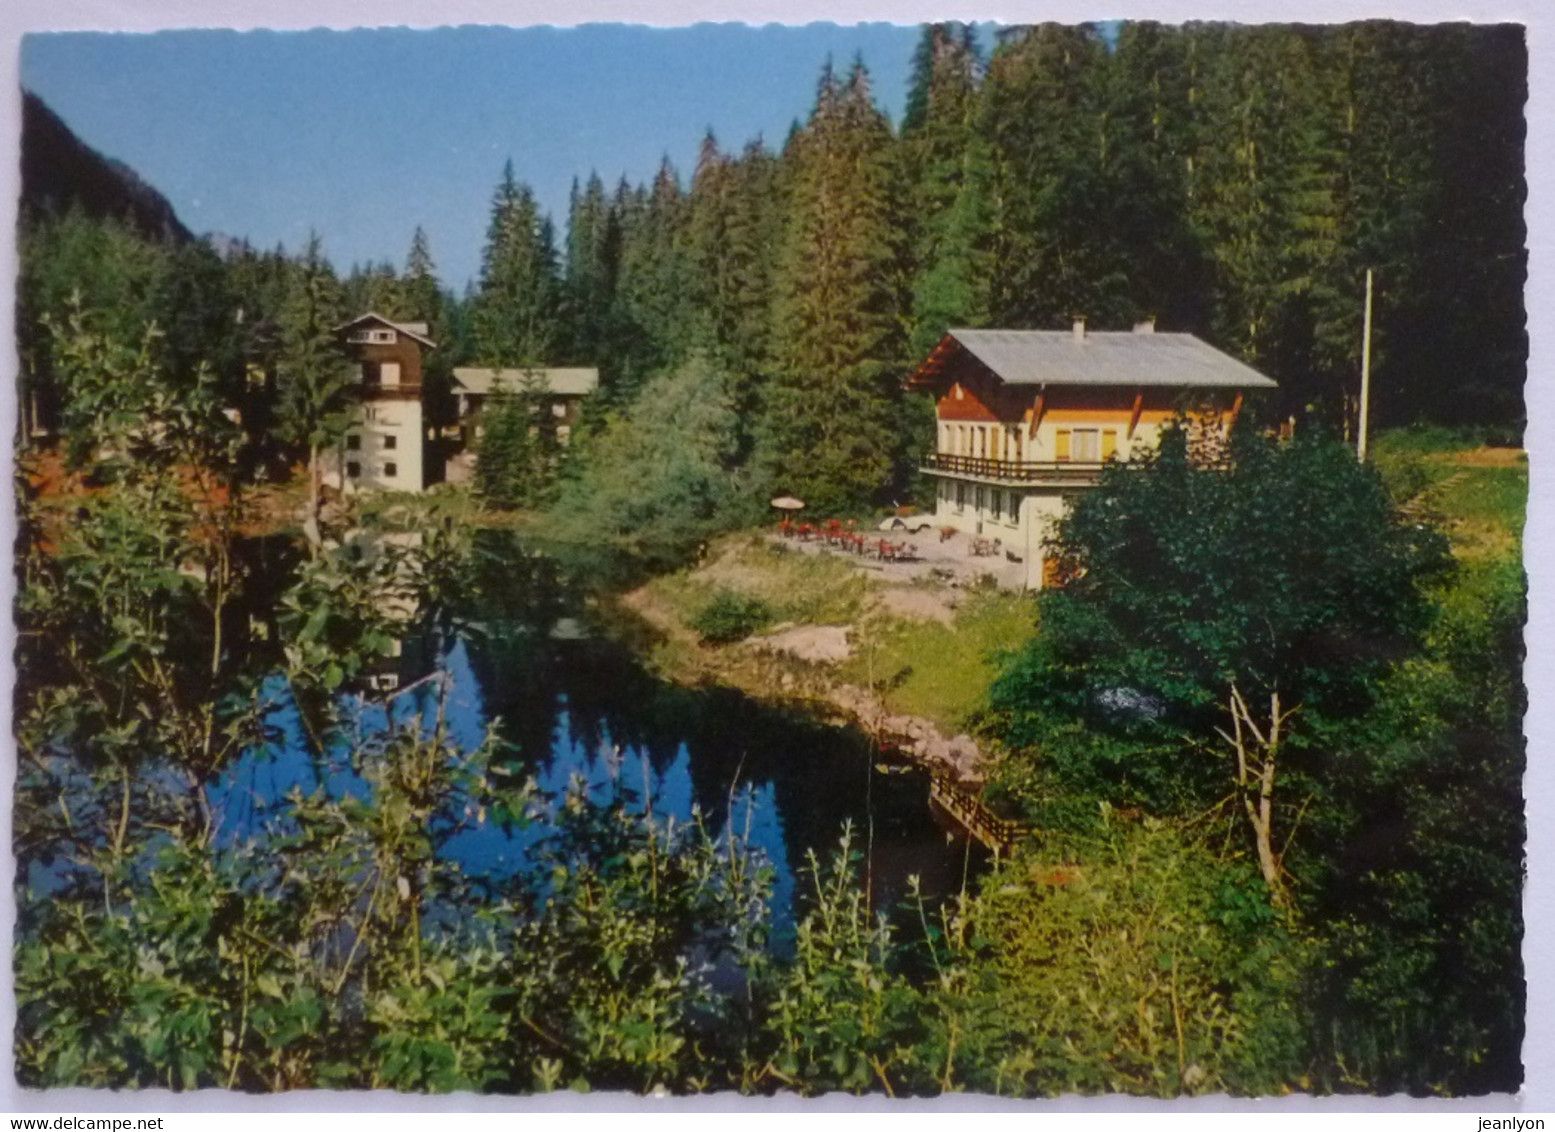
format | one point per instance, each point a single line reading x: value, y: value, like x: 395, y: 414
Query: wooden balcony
x: 1077, y: 472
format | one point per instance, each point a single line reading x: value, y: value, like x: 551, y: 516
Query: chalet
x: 558, y: 393
x: 385, y: 446
x: 1027, y: 418
x: 561, y: 392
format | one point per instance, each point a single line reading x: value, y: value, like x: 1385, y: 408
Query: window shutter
x: 1061, y: 445
x: 1109, y: 444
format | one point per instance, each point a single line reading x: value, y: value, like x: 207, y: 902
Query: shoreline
x: 778, y: 676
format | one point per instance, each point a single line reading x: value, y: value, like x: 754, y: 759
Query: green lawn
x: 938, y: 671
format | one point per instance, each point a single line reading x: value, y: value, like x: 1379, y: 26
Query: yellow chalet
x: 1027, y: 418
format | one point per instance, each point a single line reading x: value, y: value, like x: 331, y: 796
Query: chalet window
x: 353, y: 442
x: 1085, y: 445
x: 558, y: 408
x: 353, y: 469
x: 389, y: 373
x: 961, y: 497
x: 1014, y: 506
x: 360, y: 375
x: 390, y: 471
x: 998, y: 505
x: 374, y: 337
x: 391, y: 441
x: 1109, y: 444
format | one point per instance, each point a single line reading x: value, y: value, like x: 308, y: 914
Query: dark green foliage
x: 1287, y: 571
x: 516, y: 315
x: 1397, y: 814
x: 1232, y: 181
x: 312, y: 371
x: 828, y: 434
x: 1421, y: 898
x: 949, y: 169
x: 730, y: 616
x: 517, y: 453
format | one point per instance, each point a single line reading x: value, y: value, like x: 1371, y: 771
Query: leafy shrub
x: 730, y: 616
x: 1132, y: 960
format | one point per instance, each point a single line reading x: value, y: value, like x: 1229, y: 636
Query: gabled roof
x: 416, y: 330
x: 1062, y: 357
x: 573, y: 381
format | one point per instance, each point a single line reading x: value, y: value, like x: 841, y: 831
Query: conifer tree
x: 735, y: 228
x: 830, y: 424
x: 593, y: 264
x: 1265, y: 205
x: 1146, y: 136
x: 423, y: 298
x: 313, y: 371
x: 947, y: 163
x: 1040, y: 120
x: 516, y: 306
x: 376, y: 288
x: 656, y: 278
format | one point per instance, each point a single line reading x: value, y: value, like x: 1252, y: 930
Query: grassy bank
x: 924, y: 649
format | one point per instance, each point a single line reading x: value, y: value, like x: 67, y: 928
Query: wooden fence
x: 998, y: 834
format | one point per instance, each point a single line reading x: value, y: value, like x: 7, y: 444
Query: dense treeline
x: 1235, y: 182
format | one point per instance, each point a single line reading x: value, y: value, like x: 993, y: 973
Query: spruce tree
x: 656, y: 281
x: 830, y: 431
x: 1041, y: 122
x: 593, y: 265
x: 516, y: 306
x: 946, y: 163
x: 423, y: 298
x: 735, y: 228
x: 313, y: 371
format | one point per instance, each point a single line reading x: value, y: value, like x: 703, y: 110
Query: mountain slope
x: 59, y: 171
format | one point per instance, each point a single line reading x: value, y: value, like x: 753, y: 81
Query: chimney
x: 1145, y: 326
x: 1079, y: 328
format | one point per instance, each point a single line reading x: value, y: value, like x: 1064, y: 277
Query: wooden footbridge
x: 999, y: 835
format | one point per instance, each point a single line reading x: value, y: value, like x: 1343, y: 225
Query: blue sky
x: 362, y: 135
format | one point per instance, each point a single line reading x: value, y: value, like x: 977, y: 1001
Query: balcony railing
x: 1015, y: 471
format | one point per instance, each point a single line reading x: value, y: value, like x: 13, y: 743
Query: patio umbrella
x: 787, y: 503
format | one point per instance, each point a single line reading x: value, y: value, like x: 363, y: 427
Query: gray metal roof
x: 1061, y: 357
x: 574, y: 381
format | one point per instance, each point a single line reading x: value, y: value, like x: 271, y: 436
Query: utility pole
x: 1360, y: 449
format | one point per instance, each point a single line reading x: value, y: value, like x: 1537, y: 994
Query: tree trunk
x: 1257, y: 753
x: 311, y: 527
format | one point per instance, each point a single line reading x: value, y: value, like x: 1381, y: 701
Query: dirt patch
x: 1486, y: 458
x: 818, y: 644
x: 917, y: 604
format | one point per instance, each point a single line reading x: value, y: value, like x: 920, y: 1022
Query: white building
x: 385, y: 448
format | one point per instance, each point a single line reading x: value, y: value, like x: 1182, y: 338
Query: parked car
x: 914, y: 523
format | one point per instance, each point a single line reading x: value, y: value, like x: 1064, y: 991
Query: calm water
x: 571, y: 702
